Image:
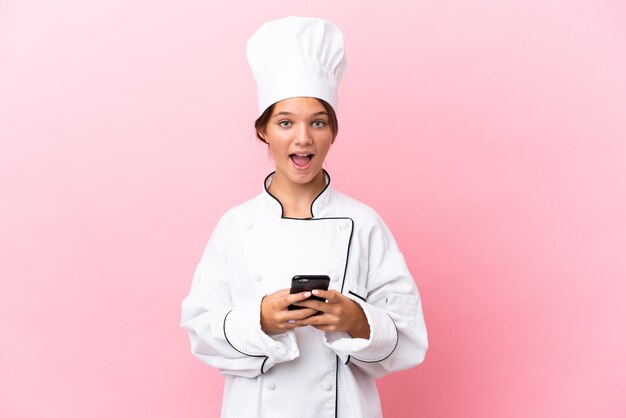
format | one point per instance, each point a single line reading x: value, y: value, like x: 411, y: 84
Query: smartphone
x: 304, y: 282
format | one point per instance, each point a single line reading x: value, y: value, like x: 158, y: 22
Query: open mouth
x: 301, y: 160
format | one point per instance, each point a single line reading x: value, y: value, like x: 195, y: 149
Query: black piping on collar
x: 282, y: 209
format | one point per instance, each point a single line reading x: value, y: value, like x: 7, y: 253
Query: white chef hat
x: 296, y: 57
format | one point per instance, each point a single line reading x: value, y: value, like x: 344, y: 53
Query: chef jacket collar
x: 318, y: 204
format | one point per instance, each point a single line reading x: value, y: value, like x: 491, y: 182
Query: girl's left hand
x: 339, y: 313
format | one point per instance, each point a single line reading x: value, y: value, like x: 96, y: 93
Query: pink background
x: 490, y: 135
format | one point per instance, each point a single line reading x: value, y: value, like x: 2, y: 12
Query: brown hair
x: 261, y: 123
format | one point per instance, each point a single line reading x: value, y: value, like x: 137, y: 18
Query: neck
x: 296, y: 198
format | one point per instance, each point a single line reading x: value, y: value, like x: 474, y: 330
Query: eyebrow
x: 284, y: 113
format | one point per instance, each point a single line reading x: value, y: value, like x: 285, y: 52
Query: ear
x: 262, y: 135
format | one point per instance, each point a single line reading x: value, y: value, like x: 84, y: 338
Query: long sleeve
x: 224, y: 336
x: 391, y: 302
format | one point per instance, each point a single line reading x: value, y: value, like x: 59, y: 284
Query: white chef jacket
x: 254, y: 251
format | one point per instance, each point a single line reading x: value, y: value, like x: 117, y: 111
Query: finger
x: 295, y: 318
x: 299, y: 314
x: 281, y: 293
x: 317, y: 305
x: 288, y: 299
x: 278, y: 294
x: 331, y: 295
x: 318, y: 320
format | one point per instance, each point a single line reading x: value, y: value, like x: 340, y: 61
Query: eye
x: 284, y: 123
x: 318, y: 124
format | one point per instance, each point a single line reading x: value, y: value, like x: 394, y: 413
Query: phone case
x: 302, y: 283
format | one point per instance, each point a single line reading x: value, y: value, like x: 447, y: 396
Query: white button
x: 343, y: 225
x: 334, y: 277
x: 271, y: 386
x: 327, y: 386
x: 249, y: 225
x: 258, y: 277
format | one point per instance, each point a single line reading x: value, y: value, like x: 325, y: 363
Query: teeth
x: 302, y: 155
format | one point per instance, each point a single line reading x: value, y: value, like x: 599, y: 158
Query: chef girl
x: 319, y: 361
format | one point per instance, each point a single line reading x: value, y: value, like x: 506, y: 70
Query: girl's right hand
x: 275, y: 316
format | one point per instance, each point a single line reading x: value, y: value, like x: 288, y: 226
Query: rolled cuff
x: 381, y: 344
x: 242, y: 330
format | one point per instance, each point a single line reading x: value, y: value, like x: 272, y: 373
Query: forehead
x: 299, y: 105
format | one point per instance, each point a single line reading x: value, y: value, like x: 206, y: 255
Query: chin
x: 304, y: 178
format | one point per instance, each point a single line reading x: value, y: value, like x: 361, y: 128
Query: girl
x: 320, y: 360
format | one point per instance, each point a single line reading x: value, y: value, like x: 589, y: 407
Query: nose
x: 303, y: 135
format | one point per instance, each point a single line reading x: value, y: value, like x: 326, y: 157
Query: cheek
x: 272, y: 149
x: 324, y: 145
x: 277, y: 139
x: 276, y: 148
